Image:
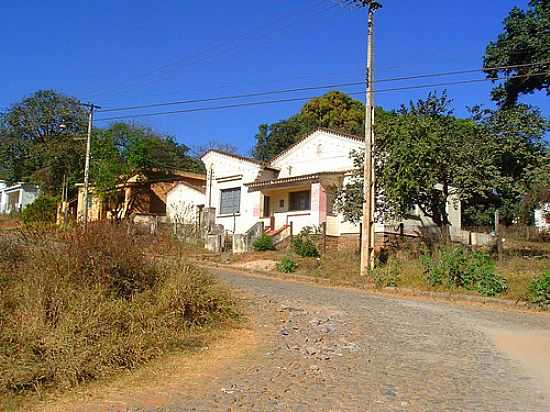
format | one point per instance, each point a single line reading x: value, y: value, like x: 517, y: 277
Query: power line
x: 266, y: 102
x: 328, y: 86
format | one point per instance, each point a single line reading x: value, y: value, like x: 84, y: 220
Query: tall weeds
x: 78, y: 306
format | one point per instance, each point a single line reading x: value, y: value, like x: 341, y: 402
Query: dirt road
x: 313, y: 348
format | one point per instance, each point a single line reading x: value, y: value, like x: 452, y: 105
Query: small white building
x: 14, y: 198
x: 542, y: 218
x: 296, y: 188
x: 184, y: 203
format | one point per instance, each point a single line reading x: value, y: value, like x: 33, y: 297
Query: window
x: 299, y: 201
x: 230, y: 201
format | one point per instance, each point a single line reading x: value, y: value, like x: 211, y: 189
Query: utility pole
x: 210, y: 180
x: 367, y: 235
x: 91, y: 107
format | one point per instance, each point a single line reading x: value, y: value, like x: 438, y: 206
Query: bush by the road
x: 539, y: 290
x: 387, y: 275
x: 459, y: 267
x: 42, y: 210
x: 77, y: 307
x: 286, y: 265
x: 304, y: 245
x: 263, y: 243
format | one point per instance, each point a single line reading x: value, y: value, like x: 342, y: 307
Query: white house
x: 184, y: 202
x: 297, y: 187
x: 542, y: 218
x: 16, y: 197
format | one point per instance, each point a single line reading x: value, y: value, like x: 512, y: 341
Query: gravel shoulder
x: 310, y: 347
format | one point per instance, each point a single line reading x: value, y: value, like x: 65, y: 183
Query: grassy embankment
x: 78, y: 307
x: 523, y: 261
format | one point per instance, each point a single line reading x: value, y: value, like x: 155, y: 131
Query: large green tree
x: 124, y: 150
x: 521, y: 153
x: 334, y: 110
x: 524, y: 40
x: 41, y: 140
x: 424, y: 155
x: 38, y: 140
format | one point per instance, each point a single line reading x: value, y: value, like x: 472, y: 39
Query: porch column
x: 318, y: 203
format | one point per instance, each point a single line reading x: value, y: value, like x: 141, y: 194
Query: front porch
x: 292, y: 203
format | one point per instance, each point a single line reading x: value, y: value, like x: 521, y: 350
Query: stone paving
x: 329, y: 349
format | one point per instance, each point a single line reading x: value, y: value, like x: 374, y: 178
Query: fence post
x: 291, y: 225
x: 324, y: 228
x: 498, y: 236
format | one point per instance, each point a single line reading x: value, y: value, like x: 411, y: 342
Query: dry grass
x: 343, y: 267
x: 77, y: 307
x: 9, y: 223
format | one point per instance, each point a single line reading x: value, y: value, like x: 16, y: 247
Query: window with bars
x: 230, y: 201
x: 299, y: 201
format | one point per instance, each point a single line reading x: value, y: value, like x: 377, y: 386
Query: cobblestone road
x: 313, y: 348
x: 326, y: 349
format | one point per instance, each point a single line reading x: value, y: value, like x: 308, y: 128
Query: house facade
x: 297, y: 188
x: 145, y: 195
x: 14, y: 198
x: 542, y: 218
x: 184, y: 203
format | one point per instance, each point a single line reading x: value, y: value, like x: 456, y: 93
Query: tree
x: 337, y: 111
x: 424, y: 155
x: 334, y: 110
x: 215, y: 145
x: 517, y: 134
x: 123, y: 151
x: 38, y: 140
x: 525, y: 40
x: 537, y: 194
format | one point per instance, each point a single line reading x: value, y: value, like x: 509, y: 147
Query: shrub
x: 82, y: 306
x: 286, y: 265
x: 263, y: 243
x: 539, y: 290
x: 387, y: 275
x: 457, y: 266
x: 304, y: 245
x: 42, y: 210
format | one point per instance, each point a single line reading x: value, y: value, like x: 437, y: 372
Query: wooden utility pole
x: 367, y: 236
x: 92, y: 107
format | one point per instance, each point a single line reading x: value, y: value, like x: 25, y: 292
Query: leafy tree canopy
x: 334, y: 110
x: 41, y: 140
x: 524, y: 40
x: 521, y: 153
x: 124, y: 150
x: 424, y: 156
x: 38, y: 140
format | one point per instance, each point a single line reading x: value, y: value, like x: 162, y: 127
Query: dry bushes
x: 75, y: 307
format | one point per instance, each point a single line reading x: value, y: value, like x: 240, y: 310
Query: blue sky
x: 131, y: 52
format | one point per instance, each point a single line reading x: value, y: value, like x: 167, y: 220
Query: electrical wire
x: 328, y: 86
x: 266, y: 102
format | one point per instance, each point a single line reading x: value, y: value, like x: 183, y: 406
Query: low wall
x: 214, y: 243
